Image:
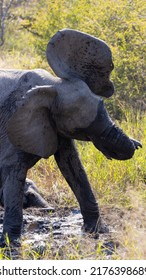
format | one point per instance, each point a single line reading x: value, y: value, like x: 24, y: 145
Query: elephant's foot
x: 103, y: 228
x: 3, y: 243
x: 10, y: 250
x: 95, y: 226
x: 6, y: 242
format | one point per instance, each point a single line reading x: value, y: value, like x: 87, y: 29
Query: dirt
x: 57, y: 227
x: 42, y: 225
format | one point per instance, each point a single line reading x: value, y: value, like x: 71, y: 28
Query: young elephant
x: 40, y: 115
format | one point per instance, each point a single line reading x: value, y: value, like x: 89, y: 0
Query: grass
x: 119, y: 186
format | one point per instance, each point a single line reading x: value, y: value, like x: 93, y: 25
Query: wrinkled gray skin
x: 40, y: 115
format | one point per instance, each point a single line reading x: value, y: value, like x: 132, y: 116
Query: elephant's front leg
x: 13, y: 179
x: 70, y: 165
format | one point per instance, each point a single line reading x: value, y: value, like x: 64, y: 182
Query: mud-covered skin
x: 40, y: 115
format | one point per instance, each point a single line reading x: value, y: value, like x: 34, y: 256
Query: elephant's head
x: 47, y: 112
x: 84, y: 117
x: 69, y: 107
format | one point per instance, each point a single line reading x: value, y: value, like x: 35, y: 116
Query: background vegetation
x: 121, y: 23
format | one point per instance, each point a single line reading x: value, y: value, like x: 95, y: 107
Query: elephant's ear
x: 72, y: 53
x: 30, y: 128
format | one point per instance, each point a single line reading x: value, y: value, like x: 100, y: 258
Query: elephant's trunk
x: 113, y: 143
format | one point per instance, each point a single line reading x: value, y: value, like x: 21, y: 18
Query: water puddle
x: 56, y: 227
x: 39, y: 228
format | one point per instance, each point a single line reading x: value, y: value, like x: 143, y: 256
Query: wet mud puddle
x: 44, y: 226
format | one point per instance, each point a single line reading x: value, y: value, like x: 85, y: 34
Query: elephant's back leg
x: 15, y: 165
x: 13, y: 180
x: 1, y: 190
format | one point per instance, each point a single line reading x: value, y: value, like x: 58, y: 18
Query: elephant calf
x: 41, y: 114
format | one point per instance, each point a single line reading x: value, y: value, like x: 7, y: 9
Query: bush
x: 119, y: 22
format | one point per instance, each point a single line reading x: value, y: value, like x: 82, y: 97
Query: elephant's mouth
x: 114, y: 144
x: 107, y: 90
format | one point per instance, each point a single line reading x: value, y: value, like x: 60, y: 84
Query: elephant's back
x: 20, y: 81
x: 8, y: 82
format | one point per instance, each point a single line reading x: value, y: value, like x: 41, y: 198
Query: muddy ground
x: 41, y: 226
x: 57, y: 228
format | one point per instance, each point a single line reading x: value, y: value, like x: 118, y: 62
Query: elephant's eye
x: 112, y: 66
